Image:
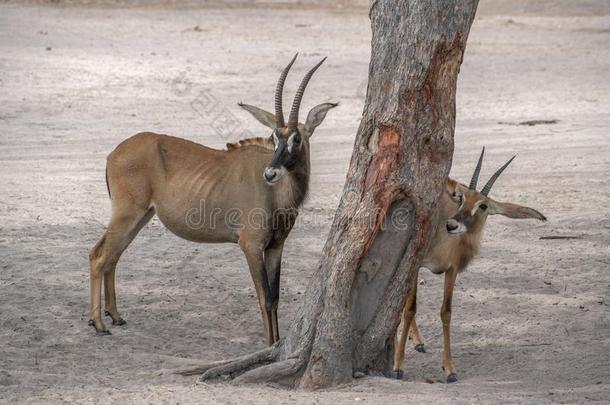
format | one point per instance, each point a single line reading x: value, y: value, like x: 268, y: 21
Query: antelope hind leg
x: 109, y: 276
x: 95, y: 281
x: 401, y: 340
x: 418, y: 342
x: 124, y: 226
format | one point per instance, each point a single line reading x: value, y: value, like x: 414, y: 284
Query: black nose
x: 451, y: 227
x: 269, y: 175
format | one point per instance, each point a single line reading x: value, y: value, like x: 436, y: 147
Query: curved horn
x: 279, y: 90
x: 477, y: 170
x: 293, y: 120
x: 487, y: 188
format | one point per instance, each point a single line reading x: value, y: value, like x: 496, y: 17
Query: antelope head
x: 291, y: 139
x: 475, y: 206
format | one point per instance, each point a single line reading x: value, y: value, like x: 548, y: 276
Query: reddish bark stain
x: 423, y: 231
x: 380, y: 174
x: 443, y: 53
x: 382, y: 164
x: 386, y: 88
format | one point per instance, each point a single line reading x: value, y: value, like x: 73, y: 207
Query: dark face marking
x: 471, y: 214
x: 288, y: 152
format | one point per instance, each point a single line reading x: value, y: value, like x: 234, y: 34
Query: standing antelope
x: 458, y: 230
x: 248, y: 194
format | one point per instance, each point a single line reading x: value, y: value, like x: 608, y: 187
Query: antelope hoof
x: 99, y: 332
x: 398, y: 374
x: 451, y: 378
x: 116, y: 322
x: 420, y: 348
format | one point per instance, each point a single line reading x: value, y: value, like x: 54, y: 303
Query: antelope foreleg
x: 401, y: 340
x: 448, y: 366
x: 273, y: 264
x: 254, y: 256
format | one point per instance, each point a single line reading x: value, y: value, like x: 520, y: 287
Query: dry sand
x: 531, y: 321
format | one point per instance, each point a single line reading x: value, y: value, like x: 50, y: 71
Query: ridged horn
x: 487, y: 188
x: 477, y: 171
x: 293, y: 120
x: 279, y: 91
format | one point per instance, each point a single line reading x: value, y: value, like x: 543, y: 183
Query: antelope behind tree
x: 460, y: 221
x: 248, y: 194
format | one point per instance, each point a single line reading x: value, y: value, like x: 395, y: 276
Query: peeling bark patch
x: 381, y: 175
x: 383, y: 162
x: 381, y: 262
x: 385, y: 159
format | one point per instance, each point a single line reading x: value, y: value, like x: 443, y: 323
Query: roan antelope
x: 248, y: 194
x: 459, y: 225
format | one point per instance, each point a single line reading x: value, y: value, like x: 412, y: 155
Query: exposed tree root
x: 275, y: 372
x: 259, y: 367
x: 200, y: 369
x: 241, y: 364
x: 233, y: 366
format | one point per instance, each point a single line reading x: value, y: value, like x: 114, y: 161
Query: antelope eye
x: 483, y: 206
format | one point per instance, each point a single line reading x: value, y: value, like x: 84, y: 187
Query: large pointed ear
x: 264, y: 117
x: 516, y: 211
x: 316, y: 116
x: 450, y: 187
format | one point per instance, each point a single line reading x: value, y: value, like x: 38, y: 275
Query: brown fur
x: 248, y: 194
x: 193, y: 189
x: 450, y: 254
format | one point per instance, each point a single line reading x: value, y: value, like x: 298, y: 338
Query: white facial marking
x: 459, y: 227
x: 475, y: 208
x: 276, y: 141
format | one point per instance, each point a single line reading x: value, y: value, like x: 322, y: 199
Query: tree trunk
x: 402, y: 156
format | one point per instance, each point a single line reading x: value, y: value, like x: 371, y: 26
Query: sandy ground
x: 531, y: 321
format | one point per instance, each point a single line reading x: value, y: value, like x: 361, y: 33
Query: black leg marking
x: 116, y: 322
x: 451, y: 378
x: 98, y: 332
x: 420, y: 348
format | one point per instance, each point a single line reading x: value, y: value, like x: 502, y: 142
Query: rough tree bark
x: 402, y: 156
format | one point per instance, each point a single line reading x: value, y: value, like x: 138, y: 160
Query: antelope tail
x: 108, y: 185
